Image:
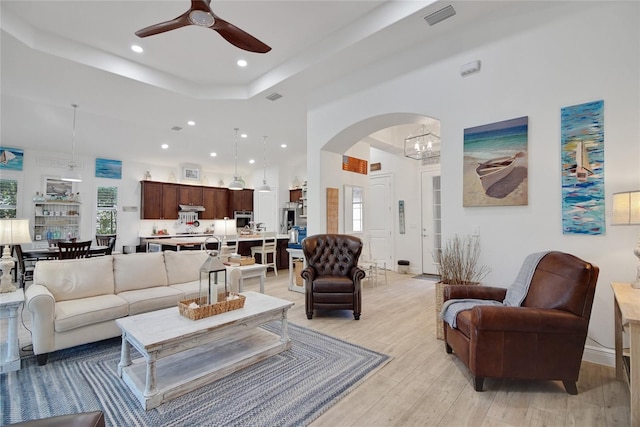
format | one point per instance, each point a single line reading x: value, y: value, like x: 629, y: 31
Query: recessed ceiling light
x: 136, y: 48
x: 213, y: 154
x: 241, y: 63
x: 164, y: 146
x: 283, y: 145
x: 243, y: 135
x: 191, y: 123
x: 252, y: 161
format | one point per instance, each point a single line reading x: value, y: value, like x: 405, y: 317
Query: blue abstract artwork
x: 582, y: 154
x: 106, y: 168
x: 11, y: 158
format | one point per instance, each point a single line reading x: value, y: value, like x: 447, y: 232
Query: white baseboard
x: 599, y: 355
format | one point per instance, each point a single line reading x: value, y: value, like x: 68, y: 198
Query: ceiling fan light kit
x: 201, y: 15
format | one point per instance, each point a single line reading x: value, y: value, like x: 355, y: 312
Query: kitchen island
x: 176, y: 242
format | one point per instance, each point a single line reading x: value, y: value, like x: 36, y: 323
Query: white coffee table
x: 180, y: 355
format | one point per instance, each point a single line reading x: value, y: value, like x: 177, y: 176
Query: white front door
x: 431, y: 221
x: 380, y: 218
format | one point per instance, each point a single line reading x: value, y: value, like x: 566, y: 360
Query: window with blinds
x: 106, y: 221
x: 8, y: 198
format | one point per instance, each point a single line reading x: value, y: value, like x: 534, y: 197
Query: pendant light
x: 264, y: 188
x: 238, y: 182
x: 72, y: 175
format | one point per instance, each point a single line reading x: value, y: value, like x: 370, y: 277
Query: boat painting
x: 582, y: 154
x: 11, y: 158
x: 492, y: 171
x: 495, y: 164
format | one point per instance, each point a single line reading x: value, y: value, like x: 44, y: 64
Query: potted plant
x: 457, y: 264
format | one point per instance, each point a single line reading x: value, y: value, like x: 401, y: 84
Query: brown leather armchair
x: 332, y: 273
x: 543, y: 339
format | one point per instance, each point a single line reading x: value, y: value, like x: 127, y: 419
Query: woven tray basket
x: 439, y: 301
x: 207, y: 310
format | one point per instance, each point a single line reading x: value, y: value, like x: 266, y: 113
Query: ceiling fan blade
x: 238, y: 37
x: 180, y: 21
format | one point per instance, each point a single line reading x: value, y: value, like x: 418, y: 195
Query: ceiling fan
x: 200, y: 14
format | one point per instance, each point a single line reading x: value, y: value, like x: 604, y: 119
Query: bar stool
x: 269, y: 246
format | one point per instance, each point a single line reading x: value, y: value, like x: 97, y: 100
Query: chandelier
x: 422, y: 144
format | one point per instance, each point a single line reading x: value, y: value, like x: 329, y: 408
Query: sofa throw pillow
x: 139, y: 271
x: 183, y: 266
x: 76, y: 278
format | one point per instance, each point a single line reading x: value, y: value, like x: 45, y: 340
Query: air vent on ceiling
x: 440, y: 15
x: 176, y: 128
x: 274, y: 96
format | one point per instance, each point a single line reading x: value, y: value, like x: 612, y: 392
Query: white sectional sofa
x: 77, y: 301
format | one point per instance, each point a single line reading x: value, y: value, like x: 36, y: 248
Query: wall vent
x: 440, y: 15
x: 176, y: 128
x: 274, y: 96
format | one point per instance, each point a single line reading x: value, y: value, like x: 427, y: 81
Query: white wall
x: 589, y: 51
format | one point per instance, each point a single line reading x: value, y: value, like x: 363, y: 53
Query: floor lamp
x: 12, y: 232
x: 626, y: 211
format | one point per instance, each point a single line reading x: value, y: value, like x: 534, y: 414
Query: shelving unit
x: 61, y: 218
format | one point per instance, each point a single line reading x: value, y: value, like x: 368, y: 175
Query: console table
x: 627, y: 312
x: 10, y: 354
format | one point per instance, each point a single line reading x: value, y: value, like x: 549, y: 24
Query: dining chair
x: 26, y: 265
x: 103, y: 239
x: 372, y: 267
x: 269, y: 246
x: 73, y: 250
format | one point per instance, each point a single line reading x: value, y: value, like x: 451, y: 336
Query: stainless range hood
x: 191, y: 208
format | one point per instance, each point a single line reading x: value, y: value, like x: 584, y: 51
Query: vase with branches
x: 457, y: 264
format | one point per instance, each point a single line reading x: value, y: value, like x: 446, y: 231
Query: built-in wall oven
x: 243, y: 218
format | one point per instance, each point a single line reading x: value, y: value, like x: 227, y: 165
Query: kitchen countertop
x: 201, y: 237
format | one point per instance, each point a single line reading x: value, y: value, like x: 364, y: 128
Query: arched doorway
x: 398, y: 234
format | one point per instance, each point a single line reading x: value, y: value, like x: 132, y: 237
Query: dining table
x: 52, y: 252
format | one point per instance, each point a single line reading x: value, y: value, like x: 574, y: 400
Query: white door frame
x: 427, y: 232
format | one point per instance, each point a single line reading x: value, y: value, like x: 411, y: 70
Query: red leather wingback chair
x: 332, y: 273
x: 543, y: 339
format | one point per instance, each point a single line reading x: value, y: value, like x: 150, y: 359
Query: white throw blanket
x: 516, y: 293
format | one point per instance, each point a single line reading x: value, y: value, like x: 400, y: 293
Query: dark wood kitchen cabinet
x: 241, y: 200
x: 216, y: 203
x: 295, y: 195
x: 159, y: 200
x: 190, y: 195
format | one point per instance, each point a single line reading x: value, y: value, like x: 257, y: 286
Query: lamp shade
x: 626, y: 208
x: 225, y: 227
x: 14, y: 231
x: 237, y: 183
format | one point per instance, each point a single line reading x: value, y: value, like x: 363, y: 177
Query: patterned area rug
x: 290, y: 389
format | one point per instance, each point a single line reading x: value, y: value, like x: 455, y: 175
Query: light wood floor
x: 424, y: 386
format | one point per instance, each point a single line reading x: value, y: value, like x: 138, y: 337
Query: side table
x: 295, y: 253
x: 627, y: 310
x: 9, y: 352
